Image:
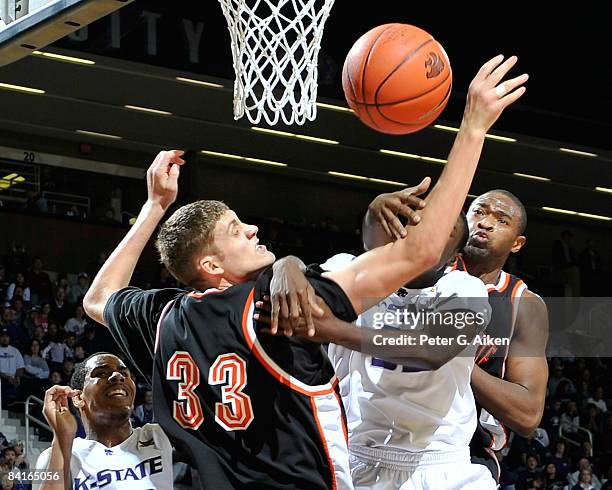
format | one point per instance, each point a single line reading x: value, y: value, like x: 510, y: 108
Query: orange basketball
x: 397, y: 78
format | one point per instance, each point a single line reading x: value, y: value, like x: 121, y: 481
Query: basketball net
x: 275, y: 46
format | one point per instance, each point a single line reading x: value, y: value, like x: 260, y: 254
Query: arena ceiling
x: 80, y: 99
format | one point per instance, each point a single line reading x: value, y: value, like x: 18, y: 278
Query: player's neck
x: 108, y: 434
x: 487, y: 272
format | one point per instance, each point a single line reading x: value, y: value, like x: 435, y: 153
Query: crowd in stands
x: 44, y: 332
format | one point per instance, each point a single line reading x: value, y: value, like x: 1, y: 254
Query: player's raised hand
x: 291, y: 295
x: 57, y: 412
x: 489, y: 94
x: 162, y: 177
x: 386, y: 208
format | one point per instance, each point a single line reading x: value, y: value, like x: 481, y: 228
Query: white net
x: 275, y: 46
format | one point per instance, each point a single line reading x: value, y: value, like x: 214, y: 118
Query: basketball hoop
x: 275, y: 46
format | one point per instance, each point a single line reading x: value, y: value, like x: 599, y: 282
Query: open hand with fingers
x: 324, y: 329
x: 162, y: 178
x: 57, y: 412
x: 489, y: 94
x: 386, y: 208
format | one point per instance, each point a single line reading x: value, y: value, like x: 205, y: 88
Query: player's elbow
x: 93, y: 305
x: 527, y: 423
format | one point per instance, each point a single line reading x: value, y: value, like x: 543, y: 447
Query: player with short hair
x: 509, y: 383
x: 257, y: 410
x: 113, y: 455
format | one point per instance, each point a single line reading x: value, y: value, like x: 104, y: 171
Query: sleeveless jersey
x: 142, y: 462
x: 395, y: 407
x: 246, y: 410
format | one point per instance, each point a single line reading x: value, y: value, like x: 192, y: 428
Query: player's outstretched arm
x: 379, y: 272
x: 115, y: 274
x: 428, y: 347
x: 518, y: 400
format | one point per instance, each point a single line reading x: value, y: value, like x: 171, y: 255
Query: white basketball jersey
x: 142, y: 461
x: 411, y: 411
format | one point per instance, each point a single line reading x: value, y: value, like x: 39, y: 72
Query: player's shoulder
x: 461, y: 283
x: 215, y: 297
x: 337, y: 262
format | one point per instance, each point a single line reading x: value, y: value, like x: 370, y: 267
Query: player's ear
x: 211, y: 265
x: 77, y: 401
x: 519, y: 242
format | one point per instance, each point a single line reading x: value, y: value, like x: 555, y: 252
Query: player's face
x: 494, y: 222
x: 108, y: 386
x: 240, y: 254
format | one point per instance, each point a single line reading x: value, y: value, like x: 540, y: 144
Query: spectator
x: 55, y: 378
x: 70, y: 341
x: 570, y: 420
x: 43, y: 316
x: 76, y: 324
x: 574, y: 478
x: 585, y: 481
x: 552, y: 416
x: 35, y: 365
x: 528, y: 476
x: 18, y: 283
x: 144, y: 412
x: 11, y: 369
x: 552, y: 481
x: 90, y: 343
x: 39, y: 282
x: 19, y: 338
x: 4, y: 443
x: 592, y: 418
x: 20, y: 312
x: 67, y: 371
x: 56, y: 351
x: 78, y: 290
x: 20, y: 459
x: 39, y: 334
x: 79, y: 354
x: 560, y: 460
x: 598, y: 400
x: 61, y: 282
x: 60, y: 310
x: 608, y: 482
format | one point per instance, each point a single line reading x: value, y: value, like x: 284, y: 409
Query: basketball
x: 397, y: 78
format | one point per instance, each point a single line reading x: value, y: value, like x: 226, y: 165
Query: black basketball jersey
x: 246, y: 410
x: 504, y: 298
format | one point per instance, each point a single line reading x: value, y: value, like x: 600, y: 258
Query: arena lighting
x: 578, y: 152
x: 370, y: 179
x: 347, y: 176
x: 287, y: 134
x: 147, y: 109
x: 333, y: 107
x: 61, y: 57
x: 414, y: 156
x: 10, y: 180
x: 390, y: 182
x: 231, y: 156
x: 99, y: 135
x: 532, y: 177
x: 21, y: 88
x: 199, y: 82
x: 500, y: 138
x: 603, y: 189
x: 446, y: 128
x: 577, y: 213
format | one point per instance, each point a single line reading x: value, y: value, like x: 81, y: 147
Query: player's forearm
x: 510, y: 403
x: 425, y: 348
x: 59, y: 461
x: 446, y: 199
x: 117, y: 271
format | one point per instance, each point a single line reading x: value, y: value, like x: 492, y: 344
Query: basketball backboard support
x: 29, y: 25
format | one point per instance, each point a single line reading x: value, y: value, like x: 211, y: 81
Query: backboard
x: 29, y: 25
